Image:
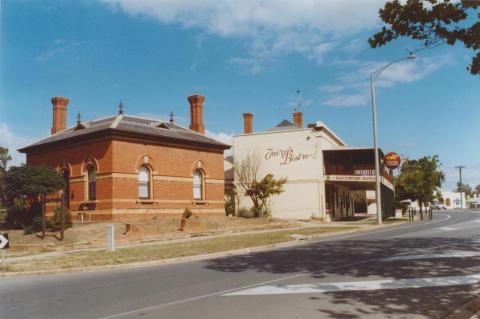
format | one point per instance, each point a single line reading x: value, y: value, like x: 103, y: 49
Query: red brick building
x: 130, y: 167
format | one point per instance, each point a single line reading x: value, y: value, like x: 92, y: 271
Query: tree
x: 32, y: 182
x: 4, y: 158
x: 467, y: 189
x: 259, y: 190
x: 419, y: 179
x: 477, y: 189
x: 433, y: 22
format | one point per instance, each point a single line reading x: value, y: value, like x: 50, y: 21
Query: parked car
x: 438, y: 206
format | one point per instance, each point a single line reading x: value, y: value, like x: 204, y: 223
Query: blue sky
x: 244, y: 56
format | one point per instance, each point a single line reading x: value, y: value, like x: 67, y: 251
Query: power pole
x: 460, y: 167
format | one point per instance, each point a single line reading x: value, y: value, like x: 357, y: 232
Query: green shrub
x: 187, y: 213
x: 17, y: 215
x: 3, y: 216
x: 54, y: 223
x: 230, y: 206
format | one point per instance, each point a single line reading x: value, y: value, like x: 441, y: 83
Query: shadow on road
x: 353, y: 260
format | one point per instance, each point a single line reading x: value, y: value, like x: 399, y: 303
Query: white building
x: 454, y: 200
x: 321, y: 170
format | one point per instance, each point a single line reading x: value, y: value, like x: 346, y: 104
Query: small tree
x: 4, y: 158
x: 466, y: 189
x: 32, y: 182
x: 477, y: 190
x: 259, y: 190
x: 419, y: 180
x: 432, y: 22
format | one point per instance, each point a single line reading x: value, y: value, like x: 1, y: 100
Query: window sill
x: 201, y: 202
x: 90, y: 202
x: 145, y: 201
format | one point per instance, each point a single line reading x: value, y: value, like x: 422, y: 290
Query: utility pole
x: 460, y: 167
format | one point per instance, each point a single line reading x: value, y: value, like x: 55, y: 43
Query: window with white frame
x: 197, y: 185
x: 144, y: 182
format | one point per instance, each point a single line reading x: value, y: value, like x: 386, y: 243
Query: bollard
x: 111, y: 237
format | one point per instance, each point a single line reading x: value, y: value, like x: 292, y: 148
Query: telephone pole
x: 460, y: 167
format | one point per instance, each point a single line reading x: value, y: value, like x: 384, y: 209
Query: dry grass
x: 164, y: 251
x: 91, y: 235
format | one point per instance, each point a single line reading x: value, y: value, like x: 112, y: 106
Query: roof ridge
x: 116, y: 121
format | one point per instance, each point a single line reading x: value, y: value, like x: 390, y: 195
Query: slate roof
x: 131, y: 125
x: 284, y: 126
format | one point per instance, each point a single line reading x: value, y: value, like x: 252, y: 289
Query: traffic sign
x: 4, y: 243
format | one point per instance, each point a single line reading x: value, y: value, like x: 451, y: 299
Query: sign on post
x: 111, y: 237
x: 392, y: 160
x: 4, y: 243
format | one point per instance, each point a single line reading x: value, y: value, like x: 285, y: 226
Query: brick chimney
x: 298, y: 119
x: 247, y: 123
x: 59, y: 113
x: 196, y: 113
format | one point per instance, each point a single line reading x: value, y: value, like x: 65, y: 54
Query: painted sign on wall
x: 287, y: 155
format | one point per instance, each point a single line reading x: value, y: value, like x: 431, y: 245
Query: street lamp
x: 373, y: 76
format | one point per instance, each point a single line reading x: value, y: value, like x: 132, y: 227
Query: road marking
x: 447, y: 228
x: 445, y: 254
x: 219, y: 293
x: 360, y: 285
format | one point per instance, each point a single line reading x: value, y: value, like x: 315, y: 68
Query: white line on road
x: 218, y: 293
x: 447, y: 228
x: 360, y: 285
x: 445, y: 254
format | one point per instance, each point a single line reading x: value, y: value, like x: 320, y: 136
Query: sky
x: 244, y: 56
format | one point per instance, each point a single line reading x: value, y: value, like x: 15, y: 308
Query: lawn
x: 164, y: 251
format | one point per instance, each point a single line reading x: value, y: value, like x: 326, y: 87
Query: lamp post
x: 373, y: 76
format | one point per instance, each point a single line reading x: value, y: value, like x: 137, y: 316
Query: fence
x: 425, y: 213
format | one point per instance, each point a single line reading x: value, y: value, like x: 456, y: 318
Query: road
x: 422, y: 270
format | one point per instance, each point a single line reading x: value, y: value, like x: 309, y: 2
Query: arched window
x: 197, y: 185
x: 92, y: 183
x: 144, y: 182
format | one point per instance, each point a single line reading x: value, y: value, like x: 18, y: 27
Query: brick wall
x: 117, y: 163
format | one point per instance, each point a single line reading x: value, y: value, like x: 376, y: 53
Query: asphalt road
x: 422, y: 270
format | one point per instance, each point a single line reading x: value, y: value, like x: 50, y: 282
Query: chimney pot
x: 59, y: 104
x: 247, y: 123
x: 298, y: 119
x: 196, y: 113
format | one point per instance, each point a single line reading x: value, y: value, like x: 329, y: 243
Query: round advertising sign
x: 392, y: 160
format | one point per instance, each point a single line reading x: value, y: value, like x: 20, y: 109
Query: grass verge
x: 164, y: 251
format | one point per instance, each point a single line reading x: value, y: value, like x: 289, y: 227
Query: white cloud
x: 226, y: 138
x: 271, y: 27
x: 60, y: 47
x: 331, y: 88
x: 13, y: 142
x: 234, y: 18
x: 352, y: 88
x: 342, y: 100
